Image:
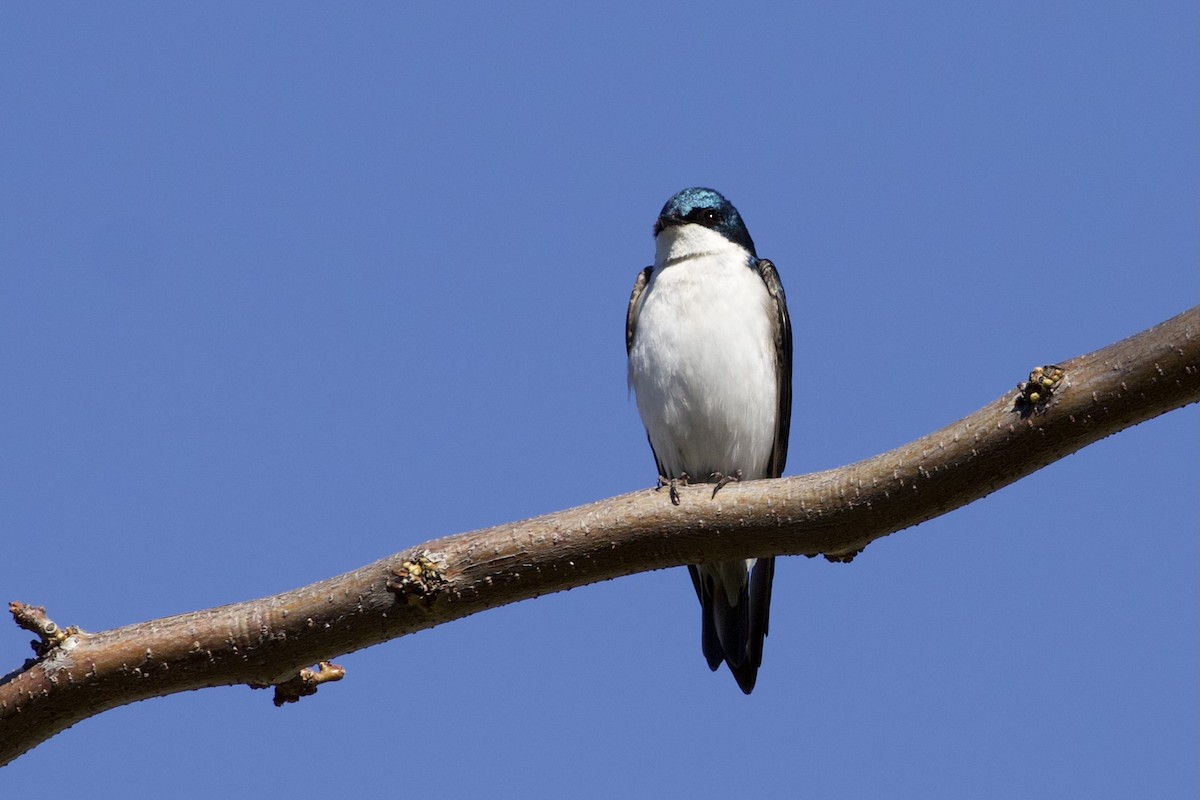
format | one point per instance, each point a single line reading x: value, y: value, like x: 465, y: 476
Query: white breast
x: 702, y: 362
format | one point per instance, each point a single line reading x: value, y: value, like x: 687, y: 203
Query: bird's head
x: 707, y: 208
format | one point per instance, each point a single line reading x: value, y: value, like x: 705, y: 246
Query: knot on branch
x: 1035, y: 393
x: 306, y: 682
x: 418, y: 581
x: 842, y: 558
x: 34, y: 620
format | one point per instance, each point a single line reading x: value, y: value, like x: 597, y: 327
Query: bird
x: 709, y: 343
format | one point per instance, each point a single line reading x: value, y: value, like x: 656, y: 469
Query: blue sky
x: 287, y: 288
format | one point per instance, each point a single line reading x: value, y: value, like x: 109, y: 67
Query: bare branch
x: 270, y: 642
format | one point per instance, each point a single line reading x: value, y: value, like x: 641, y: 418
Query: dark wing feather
x: 783, y: 366
x: 635, y: 306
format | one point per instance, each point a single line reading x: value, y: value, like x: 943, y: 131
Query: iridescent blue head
x: 709, y: 208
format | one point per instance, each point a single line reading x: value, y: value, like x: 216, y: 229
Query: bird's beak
x: 666, y: 220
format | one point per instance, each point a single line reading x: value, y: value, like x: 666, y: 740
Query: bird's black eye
x: 708, y: 217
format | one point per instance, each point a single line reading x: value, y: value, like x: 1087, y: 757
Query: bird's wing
x: 782, y: 325
x: 635, y: 306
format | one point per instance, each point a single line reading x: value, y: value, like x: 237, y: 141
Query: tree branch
x: 269, y: 642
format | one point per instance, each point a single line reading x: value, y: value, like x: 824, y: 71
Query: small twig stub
x: 34, y: 620
x: 306, y: 682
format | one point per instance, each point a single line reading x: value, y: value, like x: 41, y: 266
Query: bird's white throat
x: 678, y: 242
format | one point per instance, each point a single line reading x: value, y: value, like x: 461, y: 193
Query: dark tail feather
x: 710, y: 643
x: 734, y: 634
x: 761, y: 578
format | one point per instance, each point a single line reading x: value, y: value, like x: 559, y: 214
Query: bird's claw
x: 672, y: 484
x: 723, y: 480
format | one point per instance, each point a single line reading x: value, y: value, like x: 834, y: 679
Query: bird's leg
x: 671, y: 483
x: 722, y: 480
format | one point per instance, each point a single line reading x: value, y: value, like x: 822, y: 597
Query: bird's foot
x: 671, y: 484
x: 723, y: 480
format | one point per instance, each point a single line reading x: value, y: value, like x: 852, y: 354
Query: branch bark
x: 272, y: 641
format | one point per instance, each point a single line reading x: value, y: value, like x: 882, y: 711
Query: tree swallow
x: 710, y: 361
